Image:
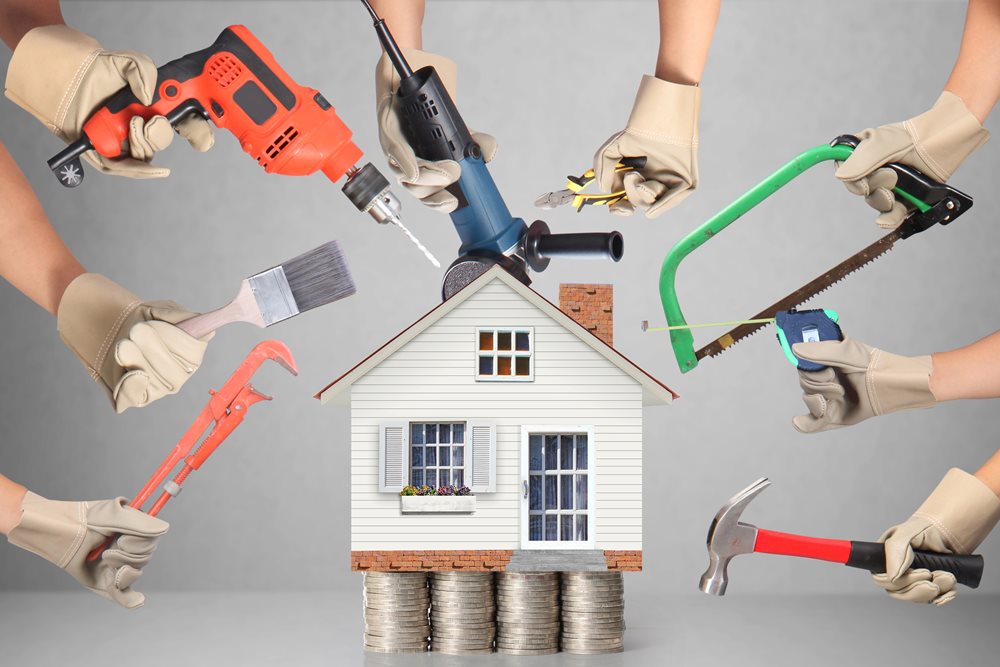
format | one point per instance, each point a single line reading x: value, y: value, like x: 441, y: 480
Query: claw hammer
x: 729, y: 537
x: 226, y: 410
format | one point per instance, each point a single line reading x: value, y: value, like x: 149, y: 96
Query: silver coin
x: 593, y: 642
x: 393, y: 642
x: 465, y: 627
x: 463, y: 651
x: 591, y: 576
x: 595, y: 634
x: 380, y: 649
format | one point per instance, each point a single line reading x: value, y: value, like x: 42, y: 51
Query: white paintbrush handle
x: 241, y: 309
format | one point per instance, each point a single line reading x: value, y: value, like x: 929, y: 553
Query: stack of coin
x: 396, y: 605
x: 593, y: 612
x: 528, y: 613
x: 463, y: 612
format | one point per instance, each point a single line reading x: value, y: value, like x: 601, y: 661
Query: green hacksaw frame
x: 682, y: 339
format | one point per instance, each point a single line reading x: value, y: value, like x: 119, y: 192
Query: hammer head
x: 727, y: 537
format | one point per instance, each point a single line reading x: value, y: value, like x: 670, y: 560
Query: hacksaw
x: 934, y: 203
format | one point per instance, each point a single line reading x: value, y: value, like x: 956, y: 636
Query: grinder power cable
x: 729, y: 537
x: 490, y: 235
x: 223, y: 413
x: 237, y: 84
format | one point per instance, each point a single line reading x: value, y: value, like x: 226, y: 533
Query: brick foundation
x: 431, y: 561
x: 467, y: 561
x: 623, y: 561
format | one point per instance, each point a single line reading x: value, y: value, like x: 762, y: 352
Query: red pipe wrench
x: 226, y: 409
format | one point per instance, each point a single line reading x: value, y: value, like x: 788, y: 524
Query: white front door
x: 557, y: 483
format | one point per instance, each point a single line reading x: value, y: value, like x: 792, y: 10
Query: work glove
x: 424, y: 179
x: 663, y: 128
x: 955, y: 518
x: 934, y: 143
x: 62, y: 76
x: 129, y: 345
x: 64, y: 533
x: 860, y: 382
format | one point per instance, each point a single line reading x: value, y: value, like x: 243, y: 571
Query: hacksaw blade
x: 801, y: 295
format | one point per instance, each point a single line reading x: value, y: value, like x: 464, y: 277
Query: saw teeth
x: 803, y: 294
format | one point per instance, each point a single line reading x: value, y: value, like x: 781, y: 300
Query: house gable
x: 498, y: 299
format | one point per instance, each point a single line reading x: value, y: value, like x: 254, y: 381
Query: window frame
x: 514, y: 354
x: 466, y: 446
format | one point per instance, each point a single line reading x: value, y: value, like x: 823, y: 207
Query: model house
x: 525, y: 403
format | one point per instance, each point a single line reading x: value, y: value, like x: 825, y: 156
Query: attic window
x: 505, y: 354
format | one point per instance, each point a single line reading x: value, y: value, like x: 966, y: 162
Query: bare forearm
x: 972, y: 371
x: 686, y: 28
x: 19, y: 16
x: 989, y: 474
x: 976, y: 76
x: 11, y: 495
x: 32, y: 256
x: 405, y: 19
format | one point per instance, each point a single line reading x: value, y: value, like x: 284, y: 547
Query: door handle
x: 525, y: 483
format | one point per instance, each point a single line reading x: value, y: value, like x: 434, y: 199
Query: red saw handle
x: 968, y: 569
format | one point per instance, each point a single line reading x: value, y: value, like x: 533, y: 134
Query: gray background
x: 552, y: 80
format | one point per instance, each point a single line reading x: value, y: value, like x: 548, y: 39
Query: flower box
x: 437, y: 504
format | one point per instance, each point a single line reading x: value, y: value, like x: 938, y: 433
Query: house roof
x: 654, y: 391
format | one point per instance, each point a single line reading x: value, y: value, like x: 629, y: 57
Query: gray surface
x: 557, y: 560
x: 269, y: 511
x: 324, y: 629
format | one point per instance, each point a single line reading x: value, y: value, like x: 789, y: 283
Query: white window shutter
x: 482, y: 447
x: 393, y: 456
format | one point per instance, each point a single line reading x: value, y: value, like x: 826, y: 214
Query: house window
x: 557, y: 487
x: 505, y: 354
x: 437, y: 454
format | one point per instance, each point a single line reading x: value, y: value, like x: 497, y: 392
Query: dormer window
x: 505, y: 354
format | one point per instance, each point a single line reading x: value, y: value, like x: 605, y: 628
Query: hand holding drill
x: 62, y: 76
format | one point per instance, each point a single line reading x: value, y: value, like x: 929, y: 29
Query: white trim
x: 653, y: 392
x: 588, y: 429
x: 514, y: 354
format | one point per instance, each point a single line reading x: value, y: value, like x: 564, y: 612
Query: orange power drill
x: 237, y: 84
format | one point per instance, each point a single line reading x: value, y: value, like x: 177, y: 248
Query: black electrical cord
x: 389, y: 44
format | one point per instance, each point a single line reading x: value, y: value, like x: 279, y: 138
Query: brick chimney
x: 591, y: 306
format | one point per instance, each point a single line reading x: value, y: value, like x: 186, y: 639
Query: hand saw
x: 934, y: 203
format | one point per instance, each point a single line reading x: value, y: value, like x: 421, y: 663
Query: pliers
x: 575, y: 184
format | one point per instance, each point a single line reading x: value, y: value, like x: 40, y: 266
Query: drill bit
x: 427, y: 253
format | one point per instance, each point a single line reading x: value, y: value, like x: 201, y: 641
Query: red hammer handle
x: 785, y: 544
x: 968, y: 569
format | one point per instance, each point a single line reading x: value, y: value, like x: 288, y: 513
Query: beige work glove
x: 954, y: 519
x: 129, y: 345
x: 64, y: 533
x: 62, y: 76
x: 861, y: 382
x: 934, y: 143
x: 663, y: 128
x: 424, y: 179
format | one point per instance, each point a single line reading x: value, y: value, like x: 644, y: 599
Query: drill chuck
x: 369, y: 191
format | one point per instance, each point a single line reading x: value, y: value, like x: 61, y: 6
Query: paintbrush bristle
x: 319, y: 277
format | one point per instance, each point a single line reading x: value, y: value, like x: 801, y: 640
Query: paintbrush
x: 312, y: 279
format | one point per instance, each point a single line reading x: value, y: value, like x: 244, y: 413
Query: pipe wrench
x: 223, y: 413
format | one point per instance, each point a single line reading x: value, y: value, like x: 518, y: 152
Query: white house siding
x: 433, y: 378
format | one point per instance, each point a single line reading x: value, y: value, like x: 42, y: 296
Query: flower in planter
x: 446, y: 491
x: 408, y: 491
x: 426, y: 491
x: 463, y: 491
